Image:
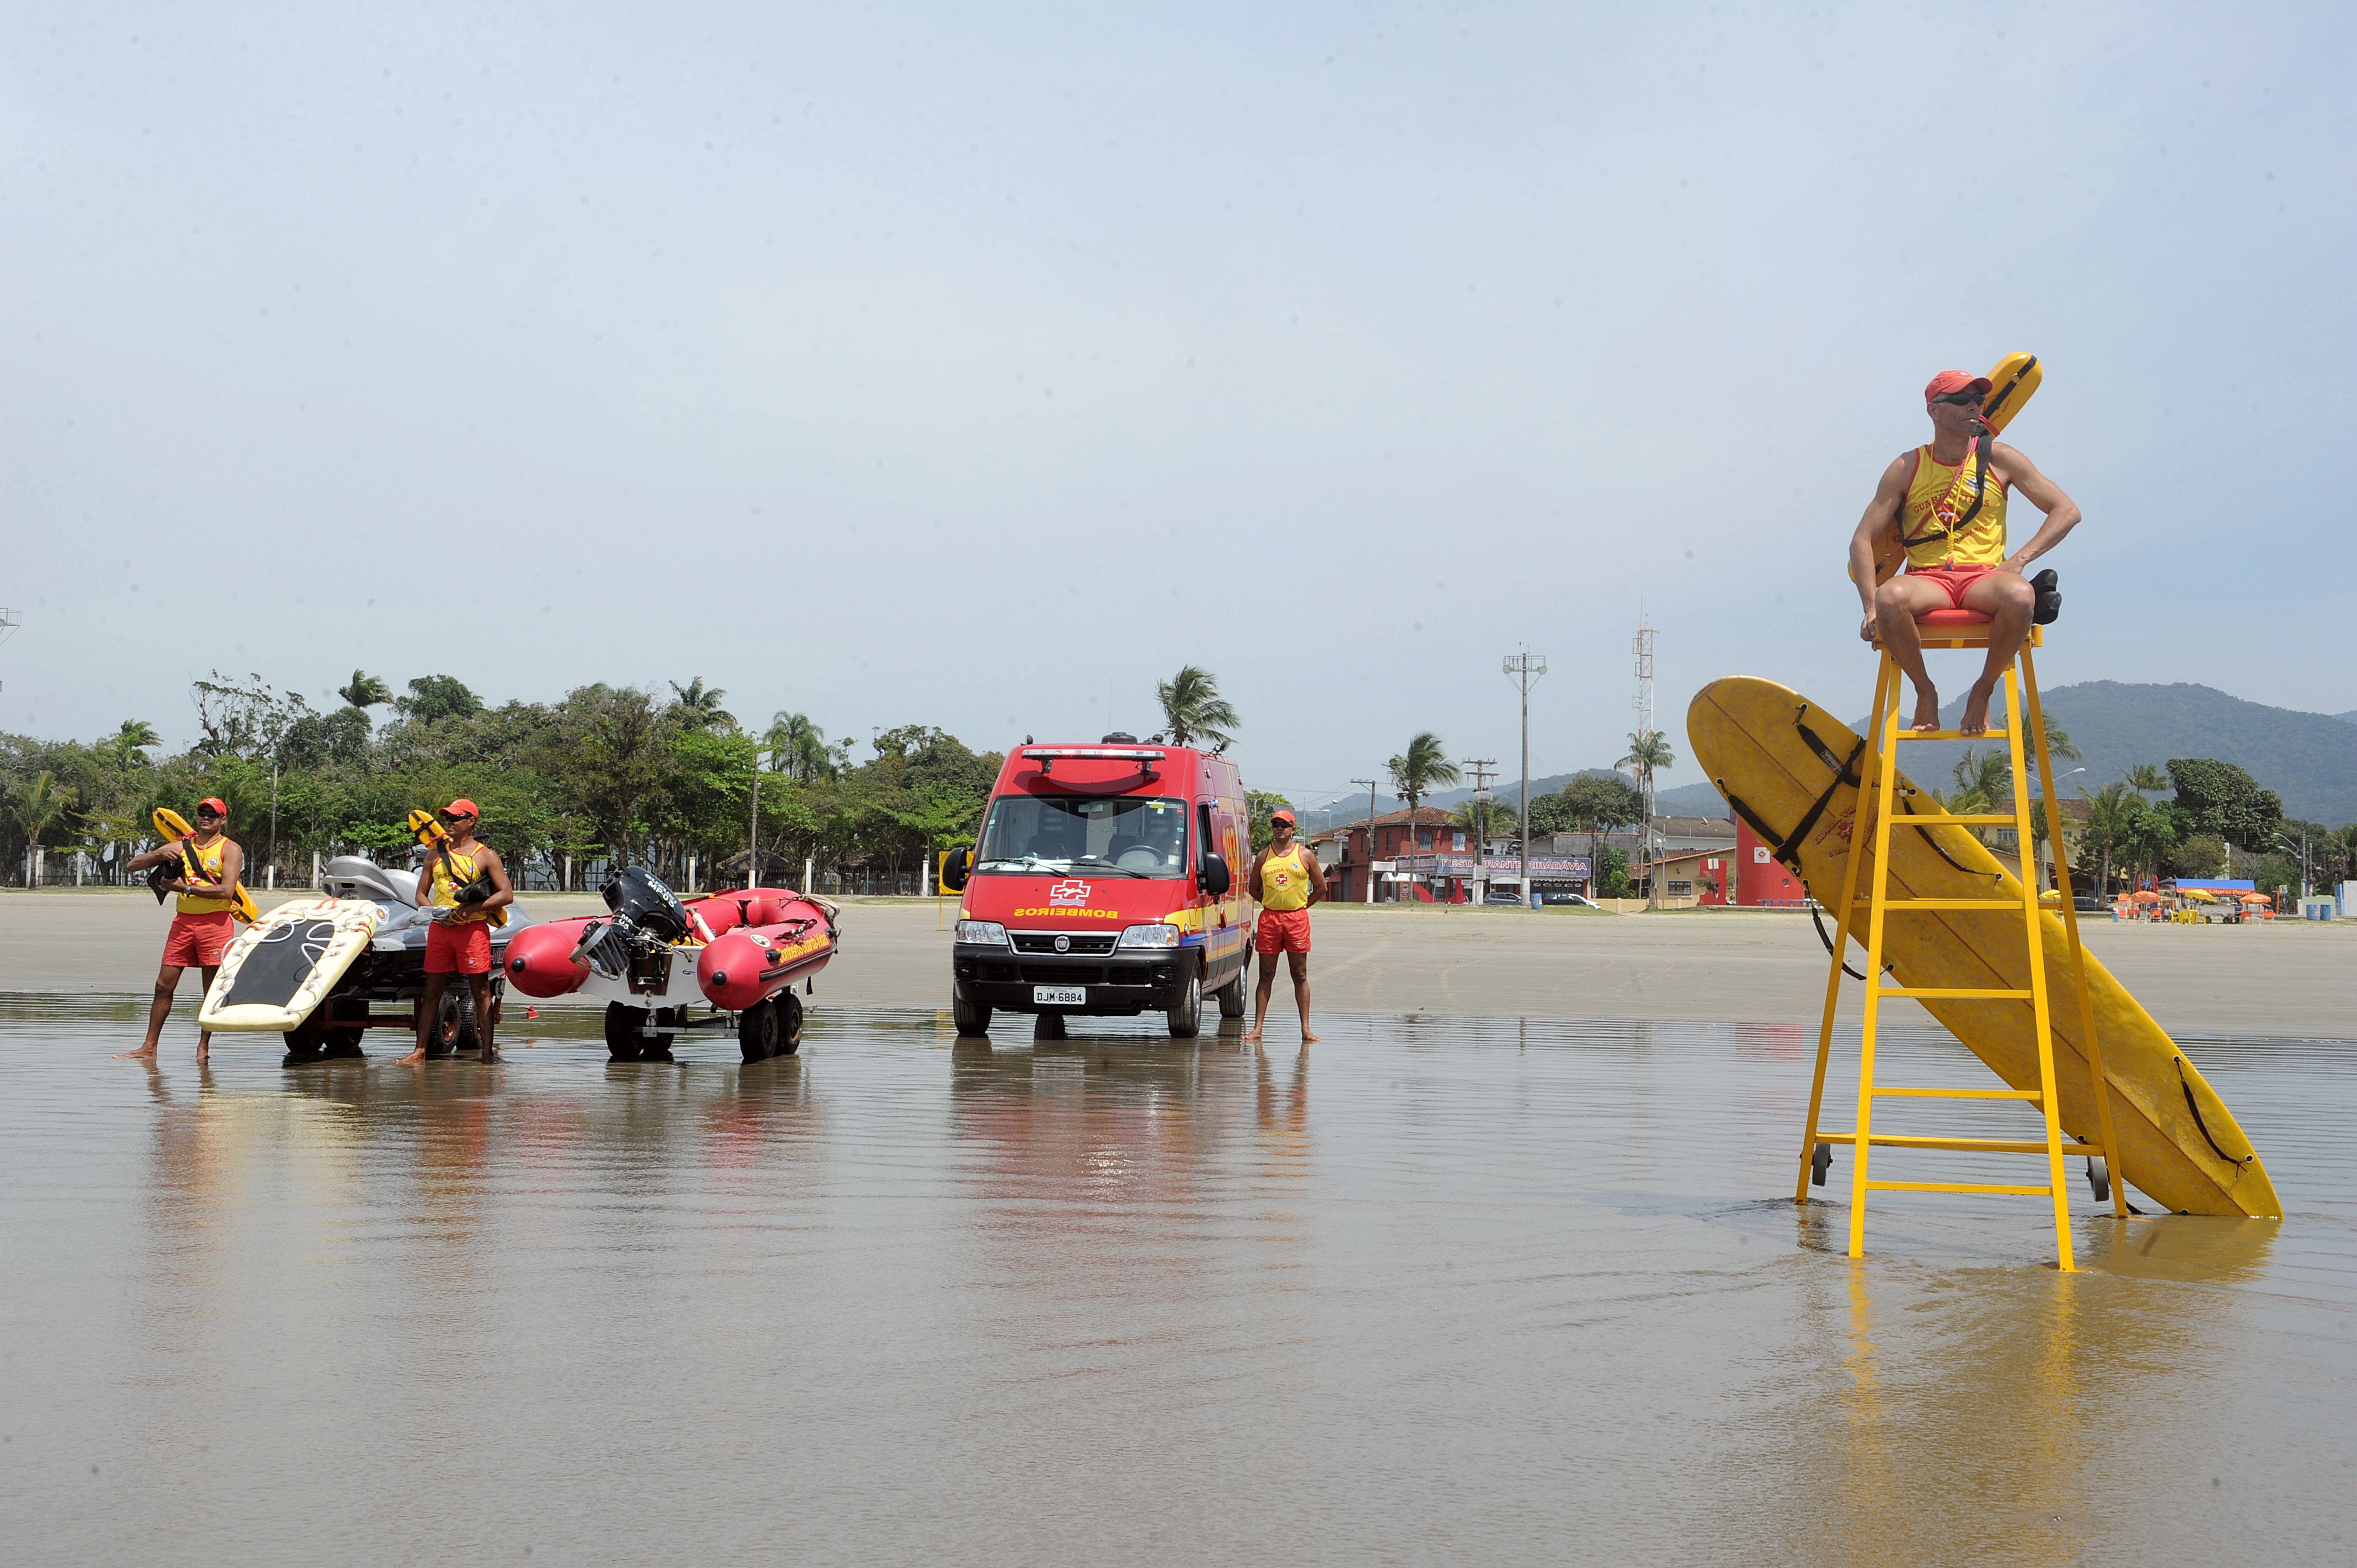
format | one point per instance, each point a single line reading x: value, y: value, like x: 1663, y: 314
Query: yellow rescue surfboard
x: 283, y: 965
x: 172, y: 827
x: 2177, y: 1138
x: 2013, y: 382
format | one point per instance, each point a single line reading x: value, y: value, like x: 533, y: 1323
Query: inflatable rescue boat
x: 652, y: 956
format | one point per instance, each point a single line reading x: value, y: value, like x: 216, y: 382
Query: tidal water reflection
x: 1444, y: 1289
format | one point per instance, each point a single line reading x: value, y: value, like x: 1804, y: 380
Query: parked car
x: 1575, y: 900
x: 1504, y: 898
x: 2090, y: 903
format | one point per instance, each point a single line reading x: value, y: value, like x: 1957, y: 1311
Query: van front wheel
x: 1186, y: 1014
x: 1230, y: 996
x: 972, y: 1017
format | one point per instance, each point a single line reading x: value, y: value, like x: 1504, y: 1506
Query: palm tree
x: 2111, y: 827
x: 1984, y: 781
x: 797, y: 748
x: 2059, y: 744
x: 699, y: 705
x: 365, y: 692
x: 1649, y: 752
x: 134, y: 738
x: 1415, y: 771
x: 1192, y: 708
x: 2144, y: 777
x: 35, y: 808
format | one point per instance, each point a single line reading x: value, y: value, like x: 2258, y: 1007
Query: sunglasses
x: 1962, y: 399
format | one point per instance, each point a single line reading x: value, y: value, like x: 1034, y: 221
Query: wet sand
x: 1462, y: 1290
x: 2291, y: 978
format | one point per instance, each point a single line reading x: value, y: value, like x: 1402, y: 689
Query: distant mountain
x: 2310, y: 759
x: 1689, y: 800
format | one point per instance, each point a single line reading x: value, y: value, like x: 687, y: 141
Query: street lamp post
x: 1525, y: 669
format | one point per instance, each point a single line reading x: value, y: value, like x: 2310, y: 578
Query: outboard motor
x: 648, y: 918
x: 640, y: 898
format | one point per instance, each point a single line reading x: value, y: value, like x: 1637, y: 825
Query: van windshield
x: 1118, y: 833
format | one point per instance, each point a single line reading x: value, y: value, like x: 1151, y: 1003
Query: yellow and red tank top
x: 1284, y: 881
x: 209, y: 856
x: 1940, y: 494
x: 444, y: 890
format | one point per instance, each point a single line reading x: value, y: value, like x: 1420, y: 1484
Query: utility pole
x: 1371, y: 836
x: 1644, y: 704
x: 753, y: 837
x: 1483, y: 769
x: 1525, y: 669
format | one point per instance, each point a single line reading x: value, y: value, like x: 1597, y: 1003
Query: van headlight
x: 1157, y: 935
x: 982, y: 931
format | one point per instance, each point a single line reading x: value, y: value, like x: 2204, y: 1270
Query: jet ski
x: 391, y: 972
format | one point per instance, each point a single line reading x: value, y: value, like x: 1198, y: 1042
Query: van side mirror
x: 957, y: 867
x: 1215, y: 878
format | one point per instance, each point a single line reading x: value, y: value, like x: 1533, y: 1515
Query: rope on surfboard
x: 2186, y: 1085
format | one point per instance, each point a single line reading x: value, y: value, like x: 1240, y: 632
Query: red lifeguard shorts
x: 196, y: 940
x: 1281, y: 930
x: 458, y: 949
x: 1951, y: 580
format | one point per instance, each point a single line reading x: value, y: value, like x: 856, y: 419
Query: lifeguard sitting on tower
x: 1943, y: 504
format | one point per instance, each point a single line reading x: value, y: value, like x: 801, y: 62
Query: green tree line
x: 605, y: 771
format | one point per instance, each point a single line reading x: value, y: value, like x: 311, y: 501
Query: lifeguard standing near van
x: 1101, y: 888
x: 1286, y: 879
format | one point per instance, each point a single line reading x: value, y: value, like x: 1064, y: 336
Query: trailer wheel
x: 757, y: 1032
x: 1187, y: 1015
x: 307, y: 1042
x: 454, y: 1024
x: 972, y: 1017
x: 790, y: 1022
x: 626, y: 1039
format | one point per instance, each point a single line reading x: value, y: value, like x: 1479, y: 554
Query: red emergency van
x: 1104, y: 885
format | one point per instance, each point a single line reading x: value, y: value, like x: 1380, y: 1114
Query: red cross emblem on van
x: 1073, y: 893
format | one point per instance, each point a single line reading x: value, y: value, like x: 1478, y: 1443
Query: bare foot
x: 145, y: 1053
x: 204, y: 1054
x: 491, y: 1053
x: 1927, y: 708
x: 1252, y: 1033
x: 1976, y: 719
x: 416, y: 1056
x: 1308, y: 1038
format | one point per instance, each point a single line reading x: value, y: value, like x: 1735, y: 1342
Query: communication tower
x: 1643, y: 646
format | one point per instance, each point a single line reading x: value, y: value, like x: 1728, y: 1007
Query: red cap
x: 214, y: 804
x: 1948, y: 382
x: 1280, y: 815
x: 462, y: 807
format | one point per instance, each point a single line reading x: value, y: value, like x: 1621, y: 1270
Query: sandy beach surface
x: 2286, y: 978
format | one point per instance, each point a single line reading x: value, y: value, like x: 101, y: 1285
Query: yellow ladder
x: 1880, y: 775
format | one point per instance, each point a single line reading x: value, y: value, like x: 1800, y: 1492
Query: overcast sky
x: 979, y: 367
